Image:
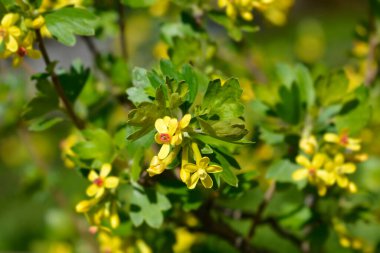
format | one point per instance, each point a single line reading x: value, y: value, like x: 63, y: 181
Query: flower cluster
x: 349, y: 241
x: 95, y: 208
x: 274, y: 10
x: 329, y: 163
x: 48, y: 5
x: 17, y: 36
x: 171, y: 133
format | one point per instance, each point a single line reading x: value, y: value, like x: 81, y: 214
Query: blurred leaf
x: 147, y: 205
x: 332, y: 89
x: 138, y: 3
x: 282, y: 170
x: 67, y: 22
x: 227, y: 174
x: 305, y: 83
x: 74, y: 81
x: 137, y: 93
x: 97, y: 146
x: 289, y: 108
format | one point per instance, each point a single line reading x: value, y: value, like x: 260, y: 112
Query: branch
x: 260, y: 210
x: 57, y: 84
x: 373, y: 42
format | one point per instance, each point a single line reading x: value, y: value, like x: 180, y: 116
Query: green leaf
x: 43, y: 111
x: 67, y: 22
x: 98, y: 146
x: 191, y: 79
x: 74, y: 81
x: 138, y: 3
x: 137, y: 94
x: 282, y: 171
x: 270, y: 137
x: 285, y: 74
x: 355, y: 120
x: 289, y: 107
x: 147, y: 205
x: 168, y: 69
x: 332, y: 89
x: 227, y: 174
x: 305, y: 84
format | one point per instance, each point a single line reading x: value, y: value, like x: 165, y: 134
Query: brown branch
x: 123, y: 41
x: 260, y: 210
x: 57, y: 84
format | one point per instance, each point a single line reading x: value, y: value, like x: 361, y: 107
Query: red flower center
x: 99, y: 181
x: 3, y: 33
x: 165, y: 138
x: 312, y: 171
x: 344, y: 139
x: 22, y: 51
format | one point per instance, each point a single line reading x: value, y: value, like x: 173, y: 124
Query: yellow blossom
x: 26, y: 49
x: 308, y: 144
x: 343, y: 140
x: 85, y: 205
x: 9, y: 32
x: 340, y: 169
x: 312, y: 170
x: 201, y: 169
x: 157, y: 165
x: 166, y: 129
x: 183, y: 123
x: 101, y: 181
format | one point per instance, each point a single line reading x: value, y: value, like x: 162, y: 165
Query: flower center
x: 344, y: 139
x: 99, y: 181
x: 165, y: 138
x: 3, y: 32
x: 22, y: 51
x: 312, y: 171
x: 202, y: 174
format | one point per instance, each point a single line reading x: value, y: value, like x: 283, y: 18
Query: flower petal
x: 207, y: 181
x: 185, y: 121
x: 302, y: 160
x: 92, y: 175
x: 111, y: 182
x: 318, y: 160
x: 203, y: 162
x: 184, y: 175
x: 193, y: 181
x: 9, y: 19
x: 100, y: 193
x: 214, y: 169
x: 105, y: 170
x: 14, y: 31
x: 84, y: 206
x: 330, y: 137
x: 160, y: 126
x: 342, y: 181
x: 172, y: 126
x: 348, y: 168
x: 190, y: 167
x: 12, y: 44
x: 92, y: 190
x: 164, y: 151
x: 339, y: 159
x: 322, y: 189
x: 300, y: 174
x: 34, y: 54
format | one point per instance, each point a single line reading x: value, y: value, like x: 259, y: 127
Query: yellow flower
x: 9, y: 32
x: 183, y: 174
x: 308, y: 144
x: 157, y: 165
x: 183, y: 123
x: 201, y: 169
x: 312, y: 170
x: 238, y: 7
x: 343, y: 140
x: 26, y: 49
x: 340, y: 169
x: 166, y: 128
x: 101, y: 181
x: 85, y: 205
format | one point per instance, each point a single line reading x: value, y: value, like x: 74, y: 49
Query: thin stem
x: 57, y: 84
x: 260, y: 210
x: 123, y: 41
x: 373, y: 42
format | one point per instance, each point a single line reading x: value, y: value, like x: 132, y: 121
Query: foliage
x: 193, y: 126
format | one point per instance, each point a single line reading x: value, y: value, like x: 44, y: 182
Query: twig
x: 123, y: 41
x: 260, y: 210
x: 57, y: 84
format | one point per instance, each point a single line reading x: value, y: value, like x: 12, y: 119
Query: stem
x: 197, y: 153
x: 260, y: 210
x: 373, y: 42
x: 123, y: 41
x: 57, y: 84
